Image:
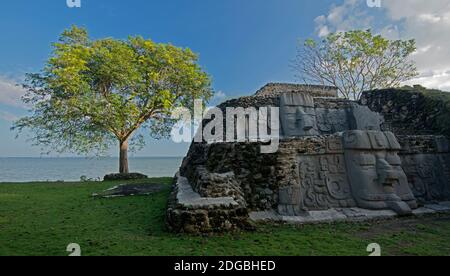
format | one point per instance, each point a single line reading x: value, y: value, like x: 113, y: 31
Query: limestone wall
x: 314, y: 164
x: 411, y: 111
x: 330, y: 115
x: 426, y: 162
x: 305, y: 174
x: 348, y: 162
x: 189, y: 212
x: 254, y: 172
x: 275, y: 89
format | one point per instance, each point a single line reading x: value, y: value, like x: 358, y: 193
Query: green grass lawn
x: 43, y: 218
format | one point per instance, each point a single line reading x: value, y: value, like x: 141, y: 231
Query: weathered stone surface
x: 438, y: 207
x: 131, y: 190
x: 187, y: 198
x: 298, y: 116
x: 423, y: 211
x: 374, y: 168
x: 341, y: 215
x: 188, y: 212
x: 301, y: 116
x: 265, y: 216
x: 275, y: 89
x: 330, y: 120
x: 124, y: 176
x: 411, y: 111
x: 329, y: 215
x: 209, y: 184
x: 335, y: 161
x: 362, y: 118
x: 426, y: 162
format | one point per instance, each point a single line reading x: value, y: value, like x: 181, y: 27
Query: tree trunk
x: 123, y: 159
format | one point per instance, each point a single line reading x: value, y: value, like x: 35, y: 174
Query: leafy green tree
x: 355, y: 61
x: 92, y: 94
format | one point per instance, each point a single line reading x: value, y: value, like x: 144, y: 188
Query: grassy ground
x: 43, y: 218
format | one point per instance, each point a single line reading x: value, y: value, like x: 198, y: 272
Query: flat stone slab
x: 364, y: 214
x: 423, y: 211
x: 438, y: 207
x: 317, y: 216
x: 131, y: 190
x: 340, y: 215
x: 265, y: 216
x: 188, y: 198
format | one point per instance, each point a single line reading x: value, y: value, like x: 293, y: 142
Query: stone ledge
x: 188, y: 212
x: 342, y: 215
x: 189, y: 199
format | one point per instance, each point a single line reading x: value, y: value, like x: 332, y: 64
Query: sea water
x: 73, y: 169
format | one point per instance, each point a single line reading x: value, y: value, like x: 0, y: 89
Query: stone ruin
x: 337, y: 161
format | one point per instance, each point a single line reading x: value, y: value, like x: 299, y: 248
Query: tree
x: 93, y: 93
x: 355, y: 61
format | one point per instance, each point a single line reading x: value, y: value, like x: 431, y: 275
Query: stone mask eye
x: 293, y: 118
x: 394, y: 160
x: 366, y: 160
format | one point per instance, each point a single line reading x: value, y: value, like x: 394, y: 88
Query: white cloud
x: 220, y: 95
x: 438, y: 80
x: 218, y: 98
x: 10, y: 93
x: 426, y: 21
x: 343, y: 17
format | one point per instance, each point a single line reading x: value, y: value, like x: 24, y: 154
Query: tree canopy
x: 355, y: 61
x: 94, y: 93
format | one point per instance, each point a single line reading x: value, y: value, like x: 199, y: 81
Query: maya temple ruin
x: 338, y: 160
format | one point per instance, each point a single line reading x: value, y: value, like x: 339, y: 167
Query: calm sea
x: 72, y: 169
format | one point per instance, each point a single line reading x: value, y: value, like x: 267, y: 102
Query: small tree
x: 355, y: 61
x: 93, y: 93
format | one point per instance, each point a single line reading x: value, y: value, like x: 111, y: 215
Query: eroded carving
x: 374, y: 168
x: 428, y: 176
x: 300, y: 117
x: 322, y: 184
x: 297, y: 114
x: 362, y: 118
x: 331, y: 121
x: 333, y: 157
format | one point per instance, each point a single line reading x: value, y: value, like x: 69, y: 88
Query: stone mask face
x: 305, y: 121
x: 298, y: 116
x: 375, y: 173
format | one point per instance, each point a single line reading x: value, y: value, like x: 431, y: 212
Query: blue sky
x: 243, y: 44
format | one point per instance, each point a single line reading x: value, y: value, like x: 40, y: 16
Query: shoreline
x: 69, y: 169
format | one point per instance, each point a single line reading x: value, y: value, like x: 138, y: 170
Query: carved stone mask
x: 297, y: 114
x: 305, y: 121
x: 375, y: 173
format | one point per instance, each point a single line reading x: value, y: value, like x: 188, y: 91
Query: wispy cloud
x: 426, y: 21
x: 219, y: 95
x: 11, y: 93
x: 218, y: 98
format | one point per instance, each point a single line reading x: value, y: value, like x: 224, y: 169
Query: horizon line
x: 83, y: 157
